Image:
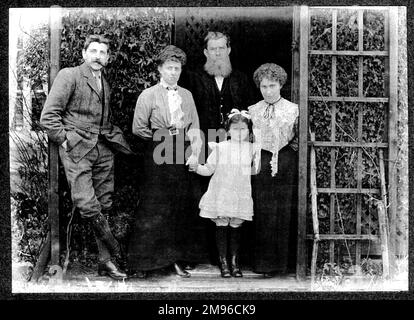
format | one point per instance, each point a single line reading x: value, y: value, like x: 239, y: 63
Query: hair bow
x: 234, y: 111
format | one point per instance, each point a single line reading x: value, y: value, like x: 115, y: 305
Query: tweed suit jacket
x: 74, y: 111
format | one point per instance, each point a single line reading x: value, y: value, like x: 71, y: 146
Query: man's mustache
x: 99, y: 62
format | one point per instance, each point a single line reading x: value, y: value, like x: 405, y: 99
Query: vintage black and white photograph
x: 208, y: 149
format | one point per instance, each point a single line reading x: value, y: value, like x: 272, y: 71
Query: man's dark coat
x: 236, y: 92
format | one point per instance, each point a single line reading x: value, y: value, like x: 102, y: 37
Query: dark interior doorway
x: 258, y: 35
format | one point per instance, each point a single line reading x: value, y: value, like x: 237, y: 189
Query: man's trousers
x: 91, y: 182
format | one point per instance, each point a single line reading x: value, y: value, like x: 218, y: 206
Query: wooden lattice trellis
x: 335, y: 101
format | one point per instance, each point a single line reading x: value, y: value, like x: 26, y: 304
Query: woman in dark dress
x: 274, y: 187
x: 166, y: 120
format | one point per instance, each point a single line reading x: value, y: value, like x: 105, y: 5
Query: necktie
x: 98, y: 81
x: 269, y: 111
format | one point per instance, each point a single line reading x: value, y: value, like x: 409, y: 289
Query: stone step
x: 204, y: 278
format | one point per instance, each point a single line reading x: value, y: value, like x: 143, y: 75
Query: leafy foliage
x: 347, y: 76
x: 332, y: 275
x: 374, y: 76
x: 30, y: 197
x: 32, y: 63
x: 320, y: 120
x: 371, y: 267
x: 320, y: 29
x: 320, y: 77
x: 347, y: 30
x: 374, y: 30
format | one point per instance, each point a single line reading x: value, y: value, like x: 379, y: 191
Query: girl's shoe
x: 224, y: 267
x: 235, y: 269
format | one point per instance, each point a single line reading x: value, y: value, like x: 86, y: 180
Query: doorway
x: 258, y: 35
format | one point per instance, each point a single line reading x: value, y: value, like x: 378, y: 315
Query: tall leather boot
x: 106, y: 266
x: 235, y: 237
x: 221, y: 241
x: 102, y: 231
x: 120, y: 258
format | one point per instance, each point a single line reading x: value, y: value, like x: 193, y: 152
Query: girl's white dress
x: 229, y: 193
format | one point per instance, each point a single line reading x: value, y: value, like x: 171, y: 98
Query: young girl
x: 228, y: 201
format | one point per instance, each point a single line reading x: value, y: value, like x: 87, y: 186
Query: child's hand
x: 192, y: 162
x: 193, y: 167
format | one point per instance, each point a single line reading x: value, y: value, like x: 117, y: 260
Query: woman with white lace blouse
x: 274, y: 187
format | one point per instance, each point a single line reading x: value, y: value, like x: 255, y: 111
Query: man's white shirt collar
x: 219, y: 81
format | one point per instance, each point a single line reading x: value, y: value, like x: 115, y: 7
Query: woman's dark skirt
x: 167, y: 226
x: 275, y: 213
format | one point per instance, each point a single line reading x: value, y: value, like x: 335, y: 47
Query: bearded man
x: 216, y: 88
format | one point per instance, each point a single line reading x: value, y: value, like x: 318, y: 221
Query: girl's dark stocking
x: 235, y: 237
x: 221, y: 241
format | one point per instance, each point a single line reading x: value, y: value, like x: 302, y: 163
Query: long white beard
x: 219, y: 67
